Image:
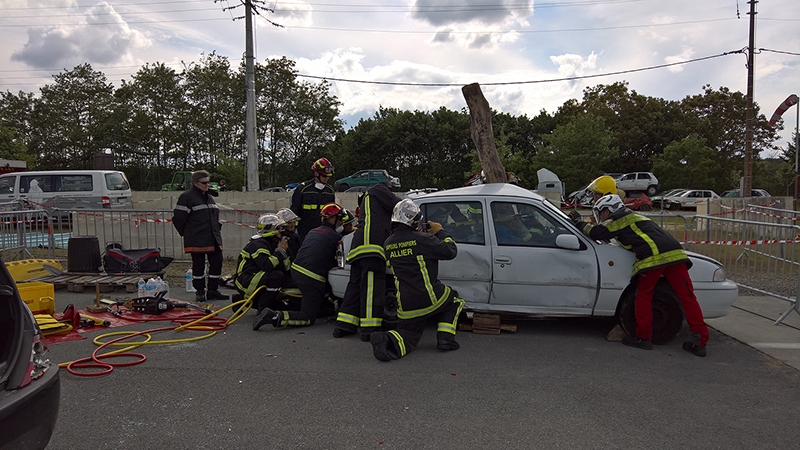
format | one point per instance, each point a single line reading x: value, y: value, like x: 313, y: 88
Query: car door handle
x: 502, y: 260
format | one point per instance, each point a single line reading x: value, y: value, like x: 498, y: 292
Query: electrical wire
x: 507, y: 83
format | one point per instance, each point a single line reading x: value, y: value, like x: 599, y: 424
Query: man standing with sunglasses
x: 196, y: 217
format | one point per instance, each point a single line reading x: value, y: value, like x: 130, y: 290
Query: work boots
x: 216, y: 295
x: 264, y: 317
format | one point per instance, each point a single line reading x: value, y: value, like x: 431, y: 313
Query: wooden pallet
x: 483, y: 323
x: 81, y: 282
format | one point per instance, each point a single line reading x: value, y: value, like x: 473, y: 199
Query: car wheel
x: 644, y: 208
x: 667, y: 313
x: 675, y: 206
x: 343, y: 187
x: 652, y: 190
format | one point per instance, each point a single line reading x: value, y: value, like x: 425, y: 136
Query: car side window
x: 7, y: 185
x: 520, y: 224
x: 463, y: 221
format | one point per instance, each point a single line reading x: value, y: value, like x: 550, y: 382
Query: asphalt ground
x: 550, y: 384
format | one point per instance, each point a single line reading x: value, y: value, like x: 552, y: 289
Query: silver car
x: 518, y: 253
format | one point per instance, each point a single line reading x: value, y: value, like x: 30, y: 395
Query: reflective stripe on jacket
x: 307, y: 200
x: 317, y: 255
x: 414, y: 259
x: 259, y: 256
x: 196, y: 218
x: 375, y: 223
x: 652, y: 245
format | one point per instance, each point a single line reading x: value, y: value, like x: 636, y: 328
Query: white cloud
x: 61, y: 46
x: 685, y: 55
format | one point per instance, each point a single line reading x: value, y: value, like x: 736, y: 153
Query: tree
x: 12, y: 148
x: 577, y: 151
x: 149, y: 119
x: 296, y: 120
x: 72, y: 119
x: 686, y: 164
x: 718, y: 116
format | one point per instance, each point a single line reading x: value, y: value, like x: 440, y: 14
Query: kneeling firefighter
x: 414, y: 259
x: 316, y: 257
x: 264, y: 262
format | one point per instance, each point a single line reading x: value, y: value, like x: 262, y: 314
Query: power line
x: 507, y: 83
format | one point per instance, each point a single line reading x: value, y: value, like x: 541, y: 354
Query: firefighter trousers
x: 408, y: 333
x: 314, y: 294
x: 365, y: 296
x: 678, y: 277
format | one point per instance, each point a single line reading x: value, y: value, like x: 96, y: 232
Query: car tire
x: 343, y: 187
x: 652, y: 190
x: 667, y: 313
x: 644, y: 208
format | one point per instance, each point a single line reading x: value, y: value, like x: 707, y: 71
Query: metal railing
x: 26, y: 233
x: 763, y: 257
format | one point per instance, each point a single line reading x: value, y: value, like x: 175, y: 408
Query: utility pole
x: 751, y: 62
x: 250, y: 82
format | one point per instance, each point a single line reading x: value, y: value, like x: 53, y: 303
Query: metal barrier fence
x: 26, y: 233
x: 760, y: 255
x: 763, y: 257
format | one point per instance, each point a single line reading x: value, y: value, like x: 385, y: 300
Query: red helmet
x: 322, y: 167
x: 331, y: 210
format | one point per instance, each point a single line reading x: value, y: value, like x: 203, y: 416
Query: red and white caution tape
x: 754, y: 242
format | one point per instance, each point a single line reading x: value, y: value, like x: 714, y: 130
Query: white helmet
x: 611, y: 202
x: 268, y: 224
x: 406, y: 212
x: 287, y: 215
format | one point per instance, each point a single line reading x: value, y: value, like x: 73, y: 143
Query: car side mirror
x: 568, y: 241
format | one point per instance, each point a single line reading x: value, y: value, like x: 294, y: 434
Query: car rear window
x: 116, y: 182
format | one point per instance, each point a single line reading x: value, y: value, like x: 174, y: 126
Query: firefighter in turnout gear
x: 264, y: 261
x: 657, y: 253
x: 196, y: 218
x: 310, y: 196
x: 414, y: 259
x: 309, y: 271
x: 364, y: 298
x: 290, y: 230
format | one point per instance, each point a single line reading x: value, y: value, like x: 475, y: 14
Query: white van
x: 68, y: 189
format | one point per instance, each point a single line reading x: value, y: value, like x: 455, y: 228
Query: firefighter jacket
x: 375, y: 223
x: 259, y: 256
x: 307, y: 201
x: 414, y: 259
x: 317, y: 255
x: 652, y: 246
x: 196, y: 218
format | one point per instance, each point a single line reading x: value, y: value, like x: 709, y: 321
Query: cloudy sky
x: 525, y: 48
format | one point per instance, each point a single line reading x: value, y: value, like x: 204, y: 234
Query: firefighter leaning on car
x: 365, y: 296
x: 310, y: 196
x: 657, y: 253
x: 264, y: 261
x: 414, y: 259
x: 317, y: 256
x: 604, y: 185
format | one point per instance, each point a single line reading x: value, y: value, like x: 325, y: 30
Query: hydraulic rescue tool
x: 158, y: 304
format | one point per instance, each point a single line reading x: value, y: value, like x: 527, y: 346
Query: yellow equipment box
x: 31, y: 268
x: 40, y: 297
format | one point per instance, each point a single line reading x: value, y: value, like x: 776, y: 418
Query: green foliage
x: 577, y: 151
x: 12, y: 148
x: 686, y: 164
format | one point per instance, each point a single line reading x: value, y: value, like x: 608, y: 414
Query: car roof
x: 486, y: 190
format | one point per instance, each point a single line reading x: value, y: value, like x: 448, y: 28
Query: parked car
x: 553, y: 269
x: 689, y: 198
x: 358, y: 189
x: 638, y: 181
x: 30, y: 387
x: 662, y: 198
x: 291, y: 186
x: 368, y: 178
x: 638, y: 201
x: 753, y: 193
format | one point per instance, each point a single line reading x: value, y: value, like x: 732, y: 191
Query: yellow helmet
x: 604, y: 185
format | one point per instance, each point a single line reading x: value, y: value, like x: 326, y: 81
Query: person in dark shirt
x: 310, y: 196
